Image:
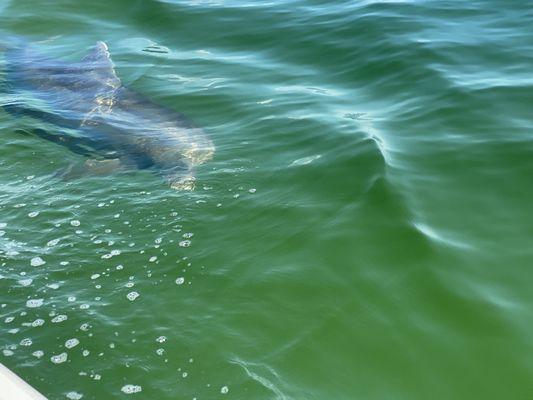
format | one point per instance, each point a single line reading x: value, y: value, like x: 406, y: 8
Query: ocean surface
x: 364, y: 230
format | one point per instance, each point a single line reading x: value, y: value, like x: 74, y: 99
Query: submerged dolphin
x: 109, y: 123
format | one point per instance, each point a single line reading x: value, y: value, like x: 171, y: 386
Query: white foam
x: 132, y: 296
x: 69, y: 344
x: 129, y: 389
x: 38, y: 353
x: 25, y: 282
x: 34, y: 303
x: 37, y: 261
x: 59, y: 358
x: 59, y: 318
x: 53, y: 242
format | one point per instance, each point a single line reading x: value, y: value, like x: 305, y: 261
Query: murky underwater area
x: 362, y: 232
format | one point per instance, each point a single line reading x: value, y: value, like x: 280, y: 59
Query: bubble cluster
x: 69, y: 344
x: 132, y: 296
x: 37, y: 261
x: 59, y: 358
x: 38, y: 353
x: 34, y: 303
x: 59, y: 318
x: 129, y: 389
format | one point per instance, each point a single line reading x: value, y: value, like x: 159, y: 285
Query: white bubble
x: 75, y: 222
x: 152, y: 259
x: 224, y: 390
x: 132, y: 296
x: 37, y: 322
x: 185, y: 243
x: 37, y: 261
x: 34, y: 303
x: 95, y: 276
x: 33, y: 214
x: 25, y: 282
x: 160, y: 352
x: 38, y: 353
x: 71, y: 299
x: 129, y: 389
x: 53, y: 286
x: 188, y: 235
x: 60, y: 358
x: 59, y: 318
x: 161, y: 339
x: 69, y: 344
x: 180, y: 281
x: 26, y: 342
x: 7, y: 352
x: 53, y: 242
x: 9, y: 319
x: 74, y: 395
x: 252, y: 190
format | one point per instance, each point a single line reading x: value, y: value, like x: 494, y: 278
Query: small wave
x: 438, y: 237
x: 266, y: 383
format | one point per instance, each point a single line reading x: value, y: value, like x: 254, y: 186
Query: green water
x: 363, y: 231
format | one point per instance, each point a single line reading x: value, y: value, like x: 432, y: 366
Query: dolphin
x: 110, y: 124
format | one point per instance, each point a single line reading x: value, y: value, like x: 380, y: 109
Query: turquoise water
x: 363, y: 231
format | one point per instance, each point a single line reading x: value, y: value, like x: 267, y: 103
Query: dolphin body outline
x: 115, y: 127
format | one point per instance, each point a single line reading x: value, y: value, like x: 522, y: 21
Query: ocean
x: 363, y: 230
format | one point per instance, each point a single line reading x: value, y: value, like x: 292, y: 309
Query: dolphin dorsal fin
x: 99, y: 60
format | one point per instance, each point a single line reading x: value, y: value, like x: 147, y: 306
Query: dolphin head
x: 179, y: 151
